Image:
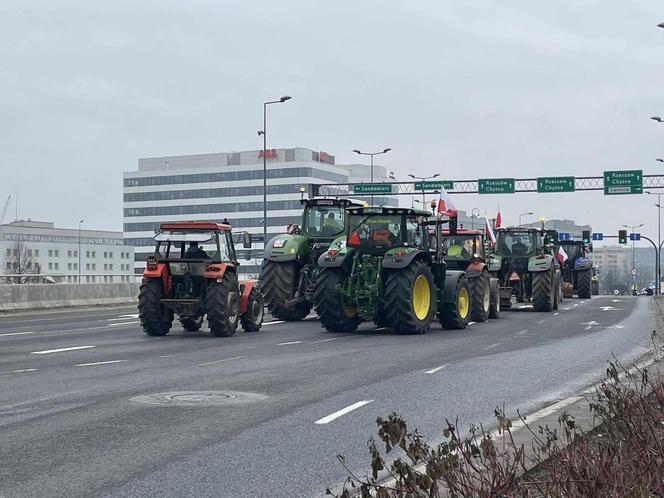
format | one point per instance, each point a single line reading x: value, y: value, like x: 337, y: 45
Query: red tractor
x: 193, y: 273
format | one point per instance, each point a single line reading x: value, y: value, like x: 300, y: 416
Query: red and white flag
x: 488, y: 231
x: 445, y: 205
x: 562, y: 255
x: 499, y: 220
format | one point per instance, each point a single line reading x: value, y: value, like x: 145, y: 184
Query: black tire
x: 543, y: 290
x: 252, y: 319
x: 595, y: 288
x: 494, y: 309
x: 155, y: 318
x: 584, y: 280
x: 480, y: 297
x: 222, y: 305
x: 557, y: 291
x: 192, y: 324
x: 402, y: 313
x: 451, y: 315
x: 280, y: 281
x: 334, y: 314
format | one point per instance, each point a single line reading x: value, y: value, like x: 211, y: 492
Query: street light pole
x: 632, y: 227
x: 424, y: 178
x: 264, y: 133
x: 372, y: 154
x: 472, y: 217
x: 79, y: 250
x: 658, y: 259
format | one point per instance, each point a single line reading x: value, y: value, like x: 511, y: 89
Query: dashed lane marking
x: 61, y: 350
x: 522, y: 332
x: 123, y: 323
x: 288, y: 343
x: 541, y: 321
x: 324, y: 340
x: 556, y: 313
x: 343, y: 411
x: 99, y: 363
x: 223, y: 360
x: 24, y: 370
x: 15, y: 333
x: 274, y: 322
x: 492, y: 346
x: 437, y: 369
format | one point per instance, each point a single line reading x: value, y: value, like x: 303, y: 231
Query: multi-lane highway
x: 264, y: 414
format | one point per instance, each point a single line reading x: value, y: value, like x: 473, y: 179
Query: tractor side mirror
x: 246, y: 240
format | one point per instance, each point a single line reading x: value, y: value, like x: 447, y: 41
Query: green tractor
x: 290, y: 263
x: 388, y: 269
x: 525, y: 264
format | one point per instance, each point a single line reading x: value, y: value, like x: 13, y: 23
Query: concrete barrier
x: 14, y: 297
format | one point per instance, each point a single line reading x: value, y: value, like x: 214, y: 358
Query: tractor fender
x: 495, y: 262
x: 161, y: 272
x: 393, y: 261
x: 475, y: 269
x: 286, y: 247
x: 215, y: 271
x: 327, y: 261
x: 543, y: 262
x: 246, y: 287
x: 450, y: 285
x: 582, y: 264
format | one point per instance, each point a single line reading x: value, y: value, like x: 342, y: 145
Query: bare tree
x: 19, y: 261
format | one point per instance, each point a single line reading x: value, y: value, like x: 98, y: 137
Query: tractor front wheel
x: 252, y: 319
x: 410, y: 298
x: 334, y: 312
x: 455, y: 312
x: 279, y: 286
x: 480, y: 295
x: 494, y: 309
x: 155, y: 318
x: 222, y: 305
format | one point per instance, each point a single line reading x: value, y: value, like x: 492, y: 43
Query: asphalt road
x: 70, y: 424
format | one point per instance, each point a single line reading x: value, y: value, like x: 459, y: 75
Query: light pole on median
x: 79, y: 249
x: 372, y: 154
x: 631, y: 228
x: 264, y: 133
x: 524, y: 214
x: 658, y: 259
x: 424, y: 179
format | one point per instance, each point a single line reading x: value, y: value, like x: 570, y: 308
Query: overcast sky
x: 463, y: 88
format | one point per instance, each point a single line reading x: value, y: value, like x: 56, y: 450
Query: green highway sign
x: 495, y: 185
x: 372, y: 188
x: 556, y: 184
x: 623, y: 182
x: 446, y: 184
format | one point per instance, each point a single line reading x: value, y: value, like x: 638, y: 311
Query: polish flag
x: 445, y: 205
x: 488, y: 231
x: 499, y: 220
x: 562, y: 255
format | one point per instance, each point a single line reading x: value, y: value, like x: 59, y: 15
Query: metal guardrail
x: 69, y: 278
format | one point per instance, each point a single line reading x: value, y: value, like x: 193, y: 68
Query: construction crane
x: 4, y: 209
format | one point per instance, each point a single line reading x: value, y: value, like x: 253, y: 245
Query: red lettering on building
x: 269, y: 153
x: 323, y: 156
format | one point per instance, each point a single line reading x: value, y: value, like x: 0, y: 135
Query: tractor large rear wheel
x: 543, y: 290
x: 335, y: 314
x: 480, y: 296
x: 455, y: 312
x: 410, y: 299
x: 584, y: 280
x: 279, y: 285
x: 494, y: 309
x: 155, y: 318
x: 222, y: 305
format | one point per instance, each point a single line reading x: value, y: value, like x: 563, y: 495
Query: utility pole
x: 372, y: 154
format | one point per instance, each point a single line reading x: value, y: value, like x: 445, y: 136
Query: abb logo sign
x: 268, y: 153
x: 323, y: 156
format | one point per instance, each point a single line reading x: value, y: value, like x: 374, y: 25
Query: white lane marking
x: 492, y: 346
x: 609, y: 308
x: 522, y: 332
x: 61, y: 350
x: 437, y: 369
x: 380, y: 329
x: 15, y: 333
x: 615, y: 300
x: 541, y: 321
x: 566, y: 309
x: 123, y: 323
x: 223, y: 360
x: 274, y: 323
x: 99, y: 363
x: 123, y: 317
x: 19, y: 371
x: 167, y: 356
x: 343, y: 411
x: 471, y: 323
x: 556, y: 313
x: 289, y: 343
x: 325, y: 340
x: 576, y: 305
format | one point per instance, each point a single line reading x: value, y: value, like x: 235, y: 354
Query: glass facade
x: 222, y: 209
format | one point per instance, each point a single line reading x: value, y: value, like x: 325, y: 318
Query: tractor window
x: 376, y: 233
x: 413, y: 233
x: 193, y: 245
x: 325, y: 221
x: 461, y: 247
x: 516, y: 243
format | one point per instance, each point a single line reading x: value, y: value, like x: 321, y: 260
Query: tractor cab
x: 462, y: 248
x: 518, y: 243
x: 325, y: 217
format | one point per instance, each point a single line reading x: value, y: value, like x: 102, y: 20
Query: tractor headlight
x: 279, y: 243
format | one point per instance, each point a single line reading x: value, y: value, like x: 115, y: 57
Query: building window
x: 87, y: 254
x: 37, y: 253
x: 9, y: 253
x: 94, y: 268
x: 290, y: 155
x: 29, y: 253
x: 75, y: 266
x: 87, y: 280
x: 69, y: 254
x: 105, y: 254
x: 233, y: 158
x: 110, y: 267
x: 87, y: 266
x: 76, y: 254
x: 57, y: 266
x: 110, y: 279
x: 110, y: 255
x: 93, y: 279
x: 94, y: 254
x: 50, y: 253
x: 105, y: 266
x: 9, y: 266
x: 68, y: 266
x: 57, y: 253
x: 50, y: 266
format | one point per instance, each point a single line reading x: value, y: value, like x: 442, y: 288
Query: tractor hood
x: 286, y: 247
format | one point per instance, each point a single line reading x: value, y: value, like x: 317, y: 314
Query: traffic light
x: 622, y: 236
x: 585, y: 236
